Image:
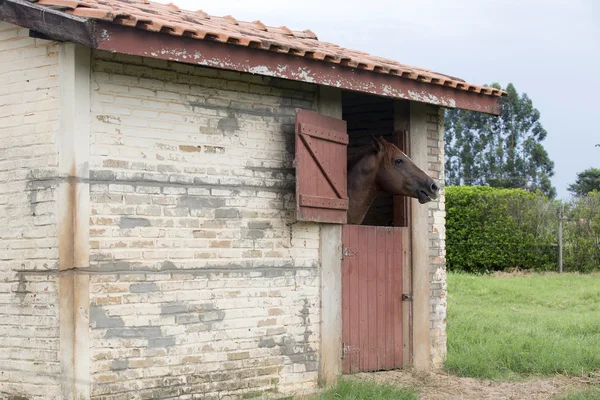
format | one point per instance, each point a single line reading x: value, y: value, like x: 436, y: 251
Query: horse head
x: 399, y: 175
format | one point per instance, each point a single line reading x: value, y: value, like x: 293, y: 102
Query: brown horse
x: 383, y: 167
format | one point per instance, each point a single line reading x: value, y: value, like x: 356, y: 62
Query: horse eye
x: 399, y: 161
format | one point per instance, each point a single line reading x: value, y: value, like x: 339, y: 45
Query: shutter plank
x: 327, y: 134
x: 321, y: 162
x: 323, y: 202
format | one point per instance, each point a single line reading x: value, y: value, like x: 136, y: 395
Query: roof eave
x: 53, y: 24
x: 126, y: 40
x: 102, y: 35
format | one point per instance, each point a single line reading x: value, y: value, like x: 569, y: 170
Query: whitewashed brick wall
x: 29, y: 336
x: 200, y: 283
x: 437, y: 236
x: 201, y: 280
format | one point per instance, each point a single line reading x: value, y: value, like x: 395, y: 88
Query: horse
x: 383, y: 167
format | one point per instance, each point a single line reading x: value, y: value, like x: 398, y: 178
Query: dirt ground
x: 440, y: 386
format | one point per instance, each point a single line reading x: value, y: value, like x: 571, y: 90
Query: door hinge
x: 407, y: 297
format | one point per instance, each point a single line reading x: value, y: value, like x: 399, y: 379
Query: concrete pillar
x: 73, y: 219
x: 420, y: 244
x: 330, y: 104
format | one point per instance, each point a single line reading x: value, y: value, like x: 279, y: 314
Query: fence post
x: 560, y: 240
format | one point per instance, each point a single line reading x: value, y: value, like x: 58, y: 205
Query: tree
x: 503, y: 151
x: 587, y: 181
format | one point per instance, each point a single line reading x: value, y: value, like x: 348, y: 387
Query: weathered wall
x: 29, y: 333
x: 201, y: 279
x: 437, y: 236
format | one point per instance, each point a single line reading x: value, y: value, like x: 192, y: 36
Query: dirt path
x: 440, y: 386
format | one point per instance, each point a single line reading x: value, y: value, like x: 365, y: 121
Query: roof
x: 144, y: 15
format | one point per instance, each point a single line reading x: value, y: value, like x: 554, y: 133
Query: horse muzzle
x: 428, y: 193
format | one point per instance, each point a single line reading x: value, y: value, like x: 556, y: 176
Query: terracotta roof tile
x: 170, y: 19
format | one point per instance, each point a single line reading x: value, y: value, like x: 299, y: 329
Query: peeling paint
x: 104, y: 34
x: 440, y: 274
x: 131, y: 222
x: 143, y: 287
x: 307, y: 75
x: 99, y: 318
x: 261, y: 70
x: 304, y: 75
x: 119, y: 364
x: 228, y: 124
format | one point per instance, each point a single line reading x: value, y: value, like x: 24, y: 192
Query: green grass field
x: 518, y: 327
x: 347, y: 389
x: 511, y: 328
x: 592, y: 393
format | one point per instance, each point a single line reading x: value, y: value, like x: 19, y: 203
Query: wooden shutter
x: 321, y: 168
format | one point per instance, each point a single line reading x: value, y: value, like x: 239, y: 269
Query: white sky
x: 549, y: 49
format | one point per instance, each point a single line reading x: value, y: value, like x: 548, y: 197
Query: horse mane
x: 388, y: 147
x: 356, y: 157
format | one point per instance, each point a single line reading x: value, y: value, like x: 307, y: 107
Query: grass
x: 349, y: 389
x: 592, y: 393
x: 516, y: 327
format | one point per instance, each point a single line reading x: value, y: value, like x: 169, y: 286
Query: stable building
x: 170, y: 231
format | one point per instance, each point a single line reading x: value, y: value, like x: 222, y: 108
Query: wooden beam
x: 127, y: 40
x: 48, y: 23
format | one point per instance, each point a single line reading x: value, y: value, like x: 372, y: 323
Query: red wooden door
x: 321, y: 168
x: 371, y: 298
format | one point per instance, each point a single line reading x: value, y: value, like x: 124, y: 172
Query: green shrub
x: 581, y: 234
x: 491, y: 229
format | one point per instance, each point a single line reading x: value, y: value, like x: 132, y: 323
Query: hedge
x: 492, y: 229
x: 581, y: 234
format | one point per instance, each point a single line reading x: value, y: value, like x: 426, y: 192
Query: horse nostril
x: 434, y: 187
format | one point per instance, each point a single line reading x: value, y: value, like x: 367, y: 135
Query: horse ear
x: 376, y: 144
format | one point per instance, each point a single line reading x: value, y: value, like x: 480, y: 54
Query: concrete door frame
x: 417, y: 315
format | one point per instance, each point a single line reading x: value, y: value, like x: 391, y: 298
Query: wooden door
x: 372, y: 298
x: 321, y: 168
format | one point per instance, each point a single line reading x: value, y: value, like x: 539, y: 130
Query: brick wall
x: 29, y: 335
x: 201, y: 281
x: 437, y: 236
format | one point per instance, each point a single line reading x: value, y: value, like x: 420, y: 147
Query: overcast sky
x: 548, y: 49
